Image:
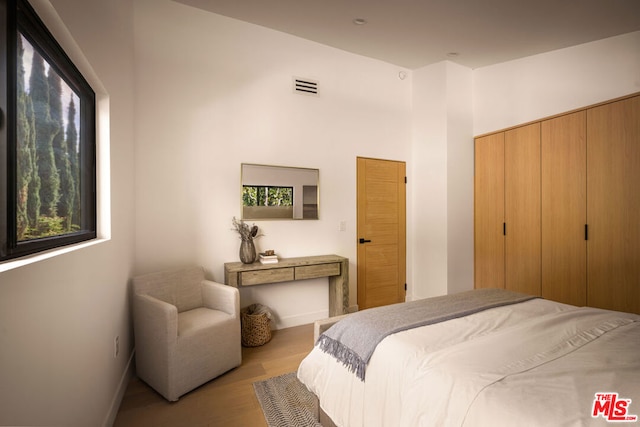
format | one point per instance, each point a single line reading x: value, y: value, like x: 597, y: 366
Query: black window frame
x: 19, y: 17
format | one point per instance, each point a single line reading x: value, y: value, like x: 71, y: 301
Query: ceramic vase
x: 247, y: 251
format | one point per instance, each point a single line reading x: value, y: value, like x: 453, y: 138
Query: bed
x: 525, y: 362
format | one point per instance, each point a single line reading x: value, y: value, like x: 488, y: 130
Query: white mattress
x: 534, y: 363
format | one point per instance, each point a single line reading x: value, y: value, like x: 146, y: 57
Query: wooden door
x: 613, y: 205
x: 381, y: 205
x: 489, y: 211
x: 564, y: 209
x: 522, y: 209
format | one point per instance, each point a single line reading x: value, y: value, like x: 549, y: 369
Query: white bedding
x: 535, y: 363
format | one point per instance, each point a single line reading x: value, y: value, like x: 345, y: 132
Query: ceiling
x: 416, y: 33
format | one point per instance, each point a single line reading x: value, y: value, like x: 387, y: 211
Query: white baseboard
x: 306, y: 318
x: 122, y: 388
x: 300, y: 319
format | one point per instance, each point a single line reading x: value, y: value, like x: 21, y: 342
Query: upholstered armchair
x: 187, y: 330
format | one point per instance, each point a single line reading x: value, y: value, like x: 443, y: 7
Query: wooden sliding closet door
x: 522, y: 209
x: 489, y: 211
x: 564, y: 209
x: 613, y: 205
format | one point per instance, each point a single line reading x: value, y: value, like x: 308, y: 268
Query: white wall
x: 535, y: 87
x: 428, y: 276
x: 59, y: 316
x: 442, y: 181
x: 460, y: 164
x: 214, y: 92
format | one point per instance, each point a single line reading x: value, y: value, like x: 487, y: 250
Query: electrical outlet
x: 116, y: 346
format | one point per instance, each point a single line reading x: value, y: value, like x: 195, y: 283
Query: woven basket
x: 256, y: 329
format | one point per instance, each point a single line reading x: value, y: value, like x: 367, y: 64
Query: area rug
x: 286, y: 402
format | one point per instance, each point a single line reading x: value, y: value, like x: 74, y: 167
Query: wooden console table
x: 335, y: 267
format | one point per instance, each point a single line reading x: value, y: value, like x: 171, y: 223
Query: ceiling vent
x: 305, y: 86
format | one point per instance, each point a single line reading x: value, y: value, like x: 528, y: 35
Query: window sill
x: 31, y: 259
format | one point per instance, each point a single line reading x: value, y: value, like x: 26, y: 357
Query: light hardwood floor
x: 228, y: 400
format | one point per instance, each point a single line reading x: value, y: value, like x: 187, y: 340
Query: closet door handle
x: 364, y: 240
x: 586, y: 232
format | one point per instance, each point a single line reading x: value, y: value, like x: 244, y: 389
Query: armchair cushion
x: 193, y: 321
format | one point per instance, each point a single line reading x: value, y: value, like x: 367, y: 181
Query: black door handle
x: 364, y: 240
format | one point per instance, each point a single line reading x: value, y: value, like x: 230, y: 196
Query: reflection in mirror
x: 279, y: 192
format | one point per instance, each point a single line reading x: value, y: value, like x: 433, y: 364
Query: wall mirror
x: 279, y: 192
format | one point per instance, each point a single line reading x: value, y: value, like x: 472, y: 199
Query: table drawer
x: 320, y: 270
x: 258, y: 277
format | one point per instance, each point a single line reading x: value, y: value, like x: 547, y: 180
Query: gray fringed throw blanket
x: 353, y: 339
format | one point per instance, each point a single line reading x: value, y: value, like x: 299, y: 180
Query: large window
x: 47, y: 140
